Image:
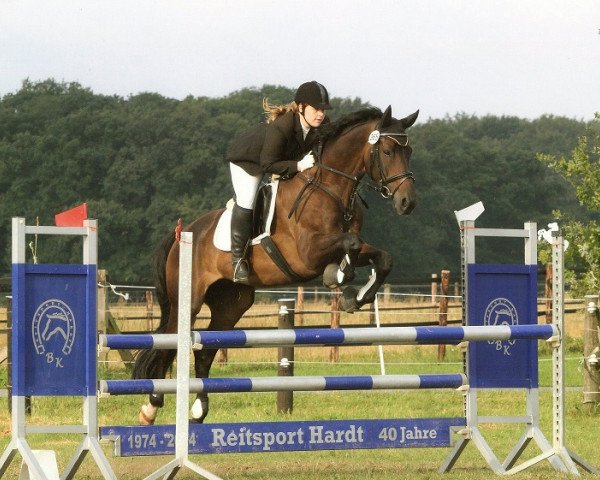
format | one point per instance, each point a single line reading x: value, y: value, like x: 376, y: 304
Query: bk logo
x: 53, y: 331
x: 501, y: 311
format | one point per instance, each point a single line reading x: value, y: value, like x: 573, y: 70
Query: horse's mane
x: 332, y: 130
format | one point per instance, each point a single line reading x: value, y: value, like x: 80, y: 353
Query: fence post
x: 443, y: 310
x: 106, y: 323
x: 434, y: 287
x: 149, y: 310
x: 386, y: 293
x: 300, y: 305
x: 591, y: 355
x: 102, y: 301
x: 285, y: 400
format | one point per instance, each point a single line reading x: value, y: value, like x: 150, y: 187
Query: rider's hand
x: 307, y: 162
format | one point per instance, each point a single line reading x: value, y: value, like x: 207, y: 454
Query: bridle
x: 400, y: 139
x: 381, y: 187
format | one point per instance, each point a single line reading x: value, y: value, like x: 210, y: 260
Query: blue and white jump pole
x: 333, y: 337
x: 500, y: 337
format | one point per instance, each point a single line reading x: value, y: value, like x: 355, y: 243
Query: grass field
x: 583, y: 432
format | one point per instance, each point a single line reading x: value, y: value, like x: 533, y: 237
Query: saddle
x: 264, y: 212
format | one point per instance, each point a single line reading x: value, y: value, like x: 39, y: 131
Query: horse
x: 316, y: 227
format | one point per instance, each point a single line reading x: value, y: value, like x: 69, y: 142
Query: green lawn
x: 583, y: 432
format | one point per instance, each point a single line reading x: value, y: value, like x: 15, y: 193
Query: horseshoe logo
x: 501, y: 311
x: 53, y: 328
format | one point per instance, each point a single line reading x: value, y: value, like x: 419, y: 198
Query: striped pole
x: 273, y: 384
x: 337, y: 336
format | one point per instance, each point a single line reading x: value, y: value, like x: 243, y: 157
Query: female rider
x: 282, y: 146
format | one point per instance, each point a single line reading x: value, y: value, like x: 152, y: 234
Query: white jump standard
x: 56, y: 361
x: 500, y: 340
x: 501, y: 352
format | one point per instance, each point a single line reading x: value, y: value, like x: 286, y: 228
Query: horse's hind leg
x: 163, y: 361
x: 155, y: 363
x: 227, y: 302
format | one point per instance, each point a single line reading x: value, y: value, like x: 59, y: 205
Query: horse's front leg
x: 381, y: 262
x: 337, y: 274
x: 354, y: 253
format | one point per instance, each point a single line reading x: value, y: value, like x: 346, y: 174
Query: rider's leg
x: 241, y: 231
x: 245, y: 187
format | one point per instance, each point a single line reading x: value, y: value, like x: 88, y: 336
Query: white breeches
x: 245, y: 186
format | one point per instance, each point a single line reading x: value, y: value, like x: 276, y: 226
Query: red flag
x: 73, y: 217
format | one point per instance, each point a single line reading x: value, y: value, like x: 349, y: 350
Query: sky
x: 522, y: 58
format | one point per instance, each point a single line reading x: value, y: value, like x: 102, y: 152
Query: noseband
x: 382, y: 187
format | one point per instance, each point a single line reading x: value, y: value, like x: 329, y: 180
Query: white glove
x: 307, y: 162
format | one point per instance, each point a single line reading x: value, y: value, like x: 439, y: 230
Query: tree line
x: 144, y: 161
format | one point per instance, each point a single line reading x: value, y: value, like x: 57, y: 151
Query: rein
x: 382, y: 187
x: 315, y: 183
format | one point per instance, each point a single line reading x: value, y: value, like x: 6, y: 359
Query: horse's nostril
x: 405, y: 205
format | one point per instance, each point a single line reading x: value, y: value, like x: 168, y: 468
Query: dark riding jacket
x: 274, y: 147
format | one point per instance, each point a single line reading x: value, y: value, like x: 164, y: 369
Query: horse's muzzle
x: 404, y: 202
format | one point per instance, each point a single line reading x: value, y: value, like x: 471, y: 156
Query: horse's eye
x: 387, y: 153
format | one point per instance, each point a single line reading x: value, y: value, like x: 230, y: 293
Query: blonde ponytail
x: 274, y: 111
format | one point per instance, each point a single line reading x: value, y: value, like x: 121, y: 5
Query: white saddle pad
x: 222, y: 236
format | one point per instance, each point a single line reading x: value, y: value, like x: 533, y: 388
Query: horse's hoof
x: 330, y: 276
x: 199, y: 410
x: 143, y: 419
x: 348, y: 302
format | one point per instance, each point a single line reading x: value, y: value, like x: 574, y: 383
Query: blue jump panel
x: 54, y: 330
x: 285, y: 436
x: 504, y: 294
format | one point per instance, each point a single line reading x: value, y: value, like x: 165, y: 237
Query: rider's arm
x: 277, y: 151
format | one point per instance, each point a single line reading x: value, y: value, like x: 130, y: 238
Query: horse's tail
x: 146, y: 365
x: 160, y: 274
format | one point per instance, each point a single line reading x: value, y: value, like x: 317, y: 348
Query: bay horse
x: 316, y: 227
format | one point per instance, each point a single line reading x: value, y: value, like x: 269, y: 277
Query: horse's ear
x: 407, y: 122
x: 386, y: 118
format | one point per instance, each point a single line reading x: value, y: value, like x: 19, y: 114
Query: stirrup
x: 241, y: 270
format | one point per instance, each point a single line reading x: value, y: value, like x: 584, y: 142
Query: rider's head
x: 313, y: 94
x: 312, y: 100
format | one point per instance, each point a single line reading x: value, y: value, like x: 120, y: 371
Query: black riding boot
x: 241, y: 231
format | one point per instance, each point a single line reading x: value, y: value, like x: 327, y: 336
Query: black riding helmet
x: 313, y: 94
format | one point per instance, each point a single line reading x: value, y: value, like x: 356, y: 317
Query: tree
x: 144, y: 161
x: 582, y: 171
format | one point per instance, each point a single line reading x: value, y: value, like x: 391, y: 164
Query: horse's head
x: 388, y: 161
x: 366, y: 143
